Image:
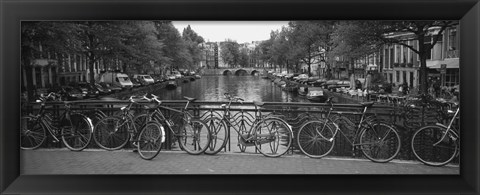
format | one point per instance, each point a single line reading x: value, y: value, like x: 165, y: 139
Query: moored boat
x: 171, y: 85
x: 316, y: 94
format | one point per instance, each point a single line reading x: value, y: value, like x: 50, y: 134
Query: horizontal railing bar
x: 299, y: 104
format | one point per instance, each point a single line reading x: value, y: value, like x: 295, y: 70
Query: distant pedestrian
x: 405, y: 88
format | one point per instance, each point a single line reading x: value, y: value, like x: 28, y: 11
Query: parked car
x: 177, y: 74
x: 70, y: 93
x: 289, y: 76
x: 171, y: 77
x: 311, y: 80
x: 88, y: 89
x: 302, y: 77
x: 112, y: 88
x: 102, y: 90
x: 144, y: 79
x: 136, y: 83
x: 319, y: 82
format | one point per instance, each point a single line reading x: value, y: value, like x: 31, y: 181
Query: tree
x: 175, y: 50
x: 51, y: 36
x: 230, y: 52
x: 243, y: 58
x: 192, y: 43
x: 354, y: 39
x: 310, y: 38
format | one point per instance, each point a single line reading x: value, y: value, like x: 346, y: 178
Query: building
x: 401, y: 64
x: 51, y: 69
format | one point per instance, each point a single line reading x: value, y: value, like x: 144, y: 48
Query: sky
x: 240, y: 31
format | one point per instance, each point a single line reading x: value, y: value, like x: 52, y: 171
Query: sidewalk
x: 62, y: 161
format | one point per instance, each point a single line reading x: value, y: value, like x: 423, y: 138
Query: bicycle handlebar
x: 237, y: 99
x: 154, y: 98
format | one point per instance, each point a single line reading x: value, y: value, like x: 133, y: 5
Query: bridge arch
x: 254, y: 72
x: 227, y: 72
x: 241, y: 72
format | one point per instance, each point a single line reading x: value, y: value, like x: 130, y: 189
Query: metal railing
x: 294, y: 113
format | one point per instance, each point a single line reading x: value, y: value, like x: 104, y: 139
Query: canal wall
x: 212, y: 72
x: 147, y: 89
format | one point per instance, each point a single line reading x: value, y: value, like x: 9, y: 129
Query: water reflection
x: 212, y: 88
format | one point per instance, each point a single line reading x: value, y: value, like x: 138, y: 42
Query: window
x: 452, y: 39
x: 427, y: 42
x: 398, y: 76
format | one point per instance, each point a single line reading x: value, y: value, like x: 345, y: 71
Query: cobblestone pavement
x: 62, y: 161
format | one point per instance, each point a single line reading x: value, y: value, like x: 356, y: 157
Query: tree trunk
x: 28, y: 73
x: 91, y: 65
x: 423, y: 65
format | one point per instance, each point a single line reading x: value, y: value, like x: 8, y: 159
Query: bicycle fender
x: 441, y: 125
x: 90, y: 122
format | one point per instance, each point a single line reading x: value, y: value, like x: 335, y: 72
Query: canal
x: 212, y: 88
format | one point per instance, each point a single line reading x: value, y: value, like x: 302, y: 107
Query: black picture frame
x: 12, y: 12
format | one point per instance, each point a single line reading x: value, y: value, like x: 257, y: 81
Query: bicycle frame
x: 357, y: 130
x: 46, y: 121
x: 186, y: 116
x: 449, y: 129
x: 226, y: 118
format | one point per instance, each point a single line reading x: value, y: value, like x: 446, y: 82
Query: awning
x: 437, y: 64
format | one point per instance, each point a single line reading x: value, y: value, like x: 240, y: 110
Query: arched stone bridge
x: 235, y: 71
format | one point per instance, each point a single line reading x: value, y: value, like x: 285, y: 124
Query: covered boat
x: 316, y: 94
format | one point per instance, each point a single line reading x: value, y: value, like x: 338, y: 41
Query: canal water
x: 212, y: 88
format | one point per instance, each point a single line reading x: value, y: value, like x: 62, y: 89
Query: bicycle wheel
x: 140, y: 120
x: 273, y: 137
x: 242, y: 130
x: 380, y: 142
x: 111, y: 133
x: 424, y: 149
x: 150, y: 140
x: 218, y: 137
x: 194, y: 137
x: 77, y: 133
x: 32, y: 133
x: 315, y: 139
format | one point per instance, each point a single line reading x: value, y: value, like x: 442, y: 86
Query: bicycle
x: 193, y: 136
x: 437, y: 145
x: 377, y: 140
x: 114, y: 132
x: 270, y: 135
x: 74, y: 129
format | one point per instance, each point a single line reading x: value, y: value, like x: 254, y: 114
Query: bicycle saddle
x: 258, y: 103
x: 367, y: 104
x: 189, y: 98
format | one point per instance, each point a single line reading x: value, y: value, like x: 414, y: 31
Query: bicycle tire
x: 79, y: 135
x: 32, y: 133
x: 242, y: 129
x: 150, y: 140
x: 385, y: 141
x: 194, y: 137
x: 424, y: 150
x: 140, y: 120
x: 107, y: 137
x: 313, y: 144
x: 218, y: 137
x: 273, y: 131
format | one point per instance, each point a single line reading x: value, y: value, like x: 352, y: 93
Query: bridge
x: 236, y: 71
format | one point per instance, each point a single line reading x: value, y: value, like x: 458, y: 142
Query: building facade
x: 401, y: 64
